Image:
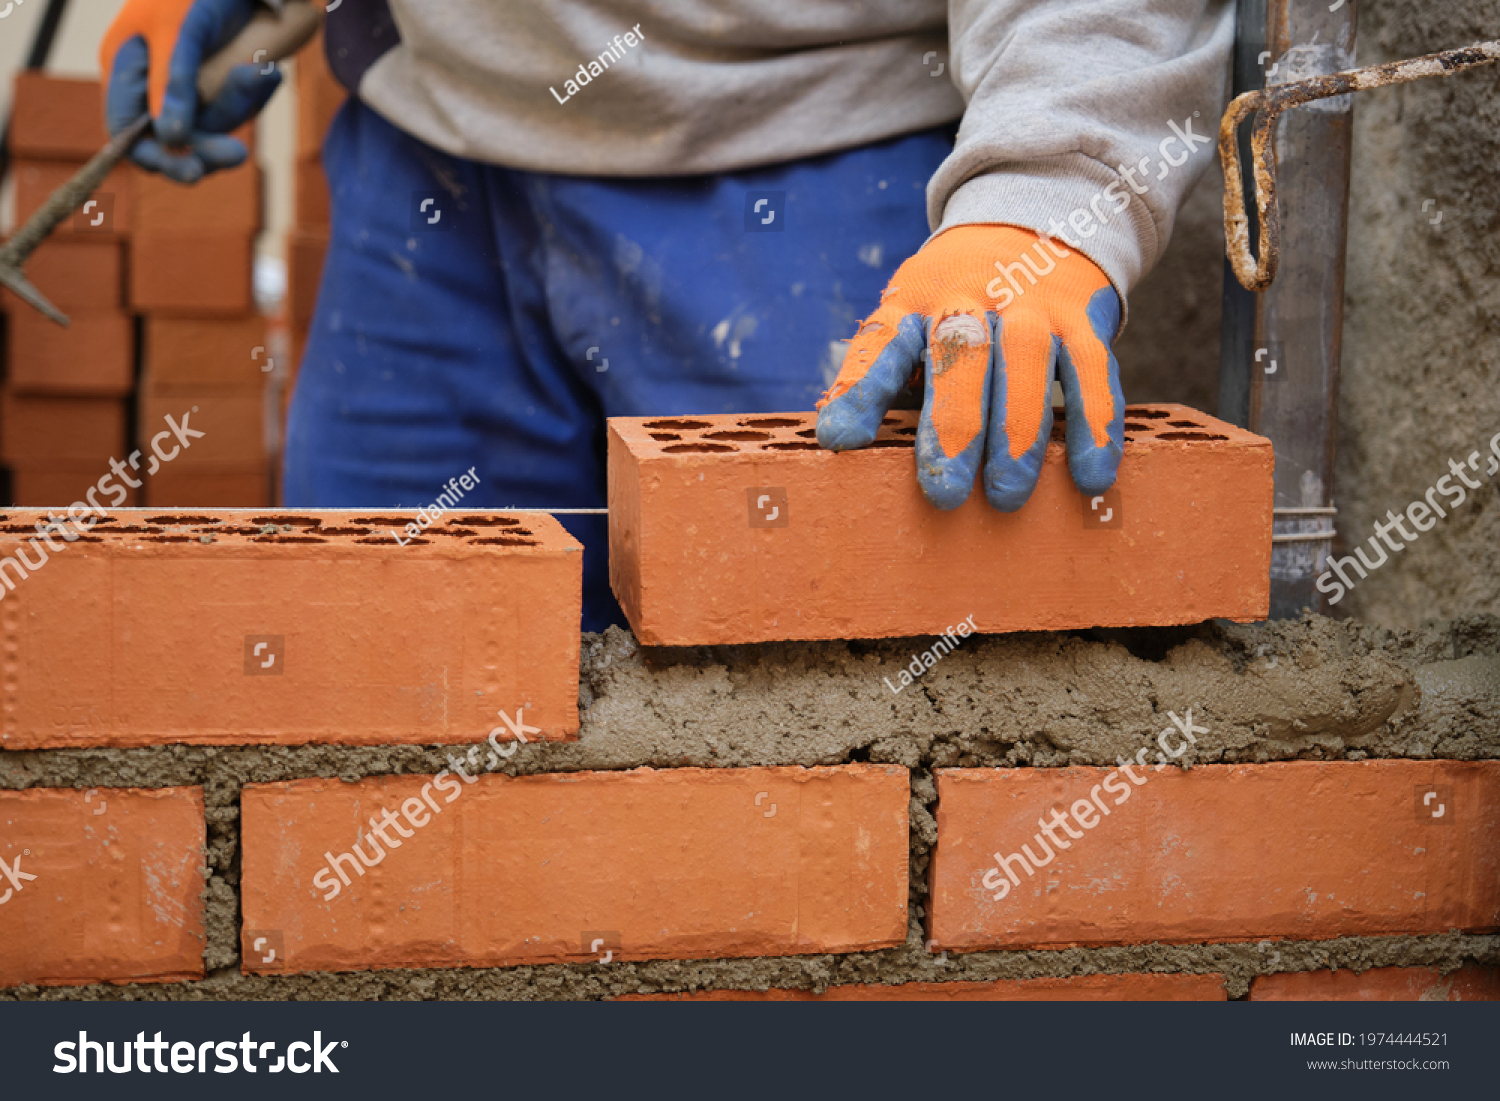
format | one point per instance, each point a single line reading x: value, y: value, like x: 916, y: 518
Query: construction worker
x: 546, y: 215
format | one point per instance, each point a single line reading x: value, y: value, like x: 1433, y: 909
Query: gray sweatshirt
x: 1088, y: 119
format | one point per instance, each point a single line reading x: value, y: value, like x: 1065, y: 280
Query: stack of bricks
x: 319, y: 96
x: 205, y: 352
x: 63, y: 411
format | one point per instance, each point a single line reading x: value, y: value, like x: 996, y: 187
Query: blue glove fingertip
x: 1095, y: 468
x: 852, y: 420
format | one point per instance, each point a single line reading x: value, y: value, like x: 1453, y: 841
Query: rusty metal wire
x: 1258, y: 274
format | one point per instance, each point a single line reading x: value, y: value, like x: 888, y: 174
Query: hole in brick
x: 683, y: 425
x: 909, y: 430
x: 18, y: 527
x: 1190, y: 436
x: 290, y: 539
x: 1185, y: 424
x: 386, y: 540
x: 490, y: 521
x: 1146, y: 414
x: 1130, y: 439
x: 663, y: 437
x: 504, y: 541
x: 384, y: 521
x: 675, y: 448
x: 302, y: 521
x: 231, y: 531
x: 792, y: 445
x: 89, y: 539
x: 890, y: 420
x: 738, y: 435
x: 168, y: 538
x: 343, y: 531
x: 180, y: 520
x: 451, y: 531
x: 1130, y: 427
x: 771, y: 422
x: 809, y: 433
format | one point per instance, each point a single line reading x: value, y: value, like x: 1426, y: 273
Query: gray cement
x: 1313, y: 689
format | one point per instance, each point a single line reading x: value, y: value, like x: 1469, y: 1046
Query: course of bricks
x: 768, y: 821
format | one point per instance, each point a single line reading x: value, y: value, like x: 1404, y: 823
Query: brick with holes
x: 731, y: 529
x: 237, y: 627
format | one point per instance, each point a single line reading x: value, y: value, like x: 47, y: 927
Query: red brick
x: 220, y: 202
x: 693, y: 561
x: 56, y: 118
x: 319, y: 96
x: 37, y: 430
x: 1075, y: 988
x: 177, y: 487
x: 312, y: 200
x: 118, y: 889
x: 233, y: 423
x: 1219, y: 853
x: 192, y: 273
x: 37, y: 180
x: 57, y: 485
x: 93, y: 356
x: 203, y: 353
x: 678, y: 864
x: 77, y: 273
x: 382, y: 643
x: 1470, y: 983
x: 305, y: 253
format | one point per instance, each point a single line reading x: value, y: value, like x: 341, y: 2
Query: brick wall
x: 772, y: 821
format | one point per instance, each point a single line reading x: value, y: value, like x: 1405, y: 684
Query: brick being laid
x: 483, y: 870
x: 103, y: 885
x: 731, y: 529
x: 237, y: 627
x: 1056, y: 857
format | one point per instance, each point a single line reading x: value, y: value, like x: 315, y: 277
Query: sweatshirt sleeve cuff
x: 1065, y: 198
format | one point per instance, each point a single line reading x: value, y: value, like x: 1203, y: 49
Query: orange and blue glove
x: 152, y: 53
x: 994, y: 312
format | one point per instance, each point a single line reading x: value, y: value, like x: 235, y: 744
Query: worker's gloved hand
x: 152, y: 53
x: 999, y: 307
